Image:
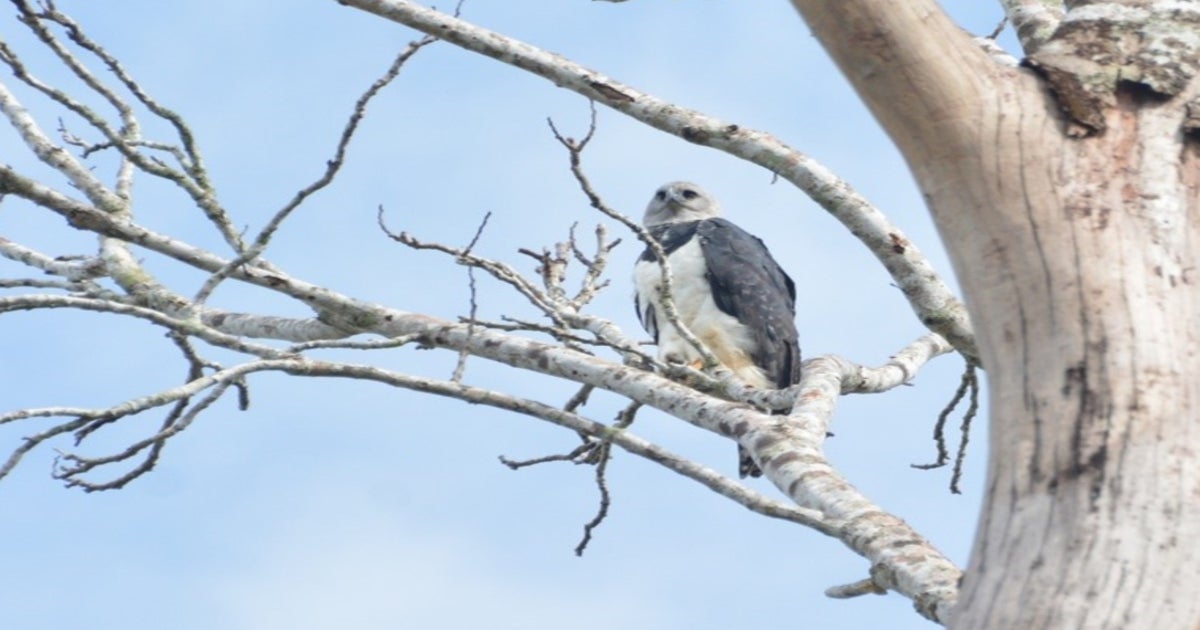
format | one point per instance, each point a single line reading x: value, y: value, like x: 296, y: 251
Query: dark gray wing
x: 748, y: 284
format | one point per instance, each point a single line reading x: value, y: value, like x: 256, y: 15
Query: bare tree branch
x: 581, y: 345
x: 185, y: 326
x: 621, y: 437
x: 69, y: 269
x: 666, y: 291
x: 931, y: 299
x: 564, y: 312
x: 193, y: 179
x: 789, y: 453
x: 53, y: 155
x: 332, y: 167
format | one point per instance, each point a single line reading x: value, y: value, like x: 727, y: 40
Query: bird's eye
x: 660, y: 195
x: 690, y: 194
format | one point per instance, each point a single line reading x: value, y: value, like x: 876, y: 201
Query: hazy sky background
x: 351, y: 505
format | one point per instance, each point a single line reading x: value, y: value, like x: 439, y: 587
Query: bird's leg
x: 680, y: 358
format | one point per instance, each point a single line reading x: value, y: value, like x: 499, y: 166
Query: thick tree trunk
x: 1080, y: 269
x: 1081, y: 277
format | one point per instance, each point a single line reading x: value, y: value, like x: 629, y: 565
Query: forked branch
x: 583, y: 348
x: 934, y: 303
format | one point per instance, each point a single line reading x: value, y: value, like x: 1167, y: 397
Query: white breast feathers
x: 724, y: 335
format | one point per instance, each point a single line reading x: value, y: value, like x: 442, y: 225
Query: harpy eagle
x: 727, y: 290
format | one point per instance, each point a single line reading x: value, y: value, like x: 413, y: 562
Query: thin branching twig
x: 461, y: 366
x: 968, y: 387
x: 575, y: 150
x: 332, y: 167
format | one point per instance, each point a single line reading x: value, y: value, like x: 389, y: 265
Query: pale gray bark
x: 1076, y: 251
x: 787, y: 447
x: 1033, y: 20
x: 1071, y: 235
x: 933, y: 302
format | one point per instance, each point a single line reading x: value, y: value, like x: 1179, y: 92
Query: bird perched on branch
x: 726, y: 289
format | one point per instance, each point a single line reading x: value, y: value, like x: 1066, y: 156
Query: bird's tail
x: 746, y: 465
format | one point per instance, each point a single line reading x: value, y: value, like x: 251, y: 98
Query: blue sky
x: 350, y: 505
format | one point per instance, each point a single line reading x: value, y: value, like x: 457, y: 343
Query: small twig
x: 342, y: 344
x: 999, y: 28
x: 560, y: 333
x: 600, y: 457
x: 606, y: 336
x: 579, y: 399
x: 926, y: 292
x: 573, y: 457
x: 867, y: 586
x: 193, y: 163
x: 193, y: 179
x: 31, y: 283
x: 243, y: 394
x: 597, y: 452
x: 939, y: 428
x: 195, y: 361
x: 332, y: 167
x: 590, y: 285
x: 33, y: 441
x: 78, y: 465
x: 196, y: 367
x: 968, y: 385
x: 75, y: 268
x: 461, y: 366
x: 575, y: 251
x: 965, y: 429
x: 552, y: 267
x: 666, y: 290
x: 500, y: 271
x: 604, y: 455
x: 87, y: 420
x: 566, y: 315
x: 46, y: 150
x: 626, y: 416
x: 88, y: 148
x: 190, y: 327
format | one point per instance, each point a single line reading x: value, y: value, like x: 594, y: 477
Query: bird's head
x: 680, y: 201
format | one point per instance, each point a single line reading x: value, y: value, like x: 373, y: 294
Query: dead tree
x: 1061, y: 186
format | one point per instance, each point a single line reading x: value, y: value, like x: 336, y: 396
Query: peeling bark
x: 1099, y: 46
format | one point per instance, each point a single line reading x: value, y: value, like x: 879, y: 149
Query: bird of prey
x: 727, y: 290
